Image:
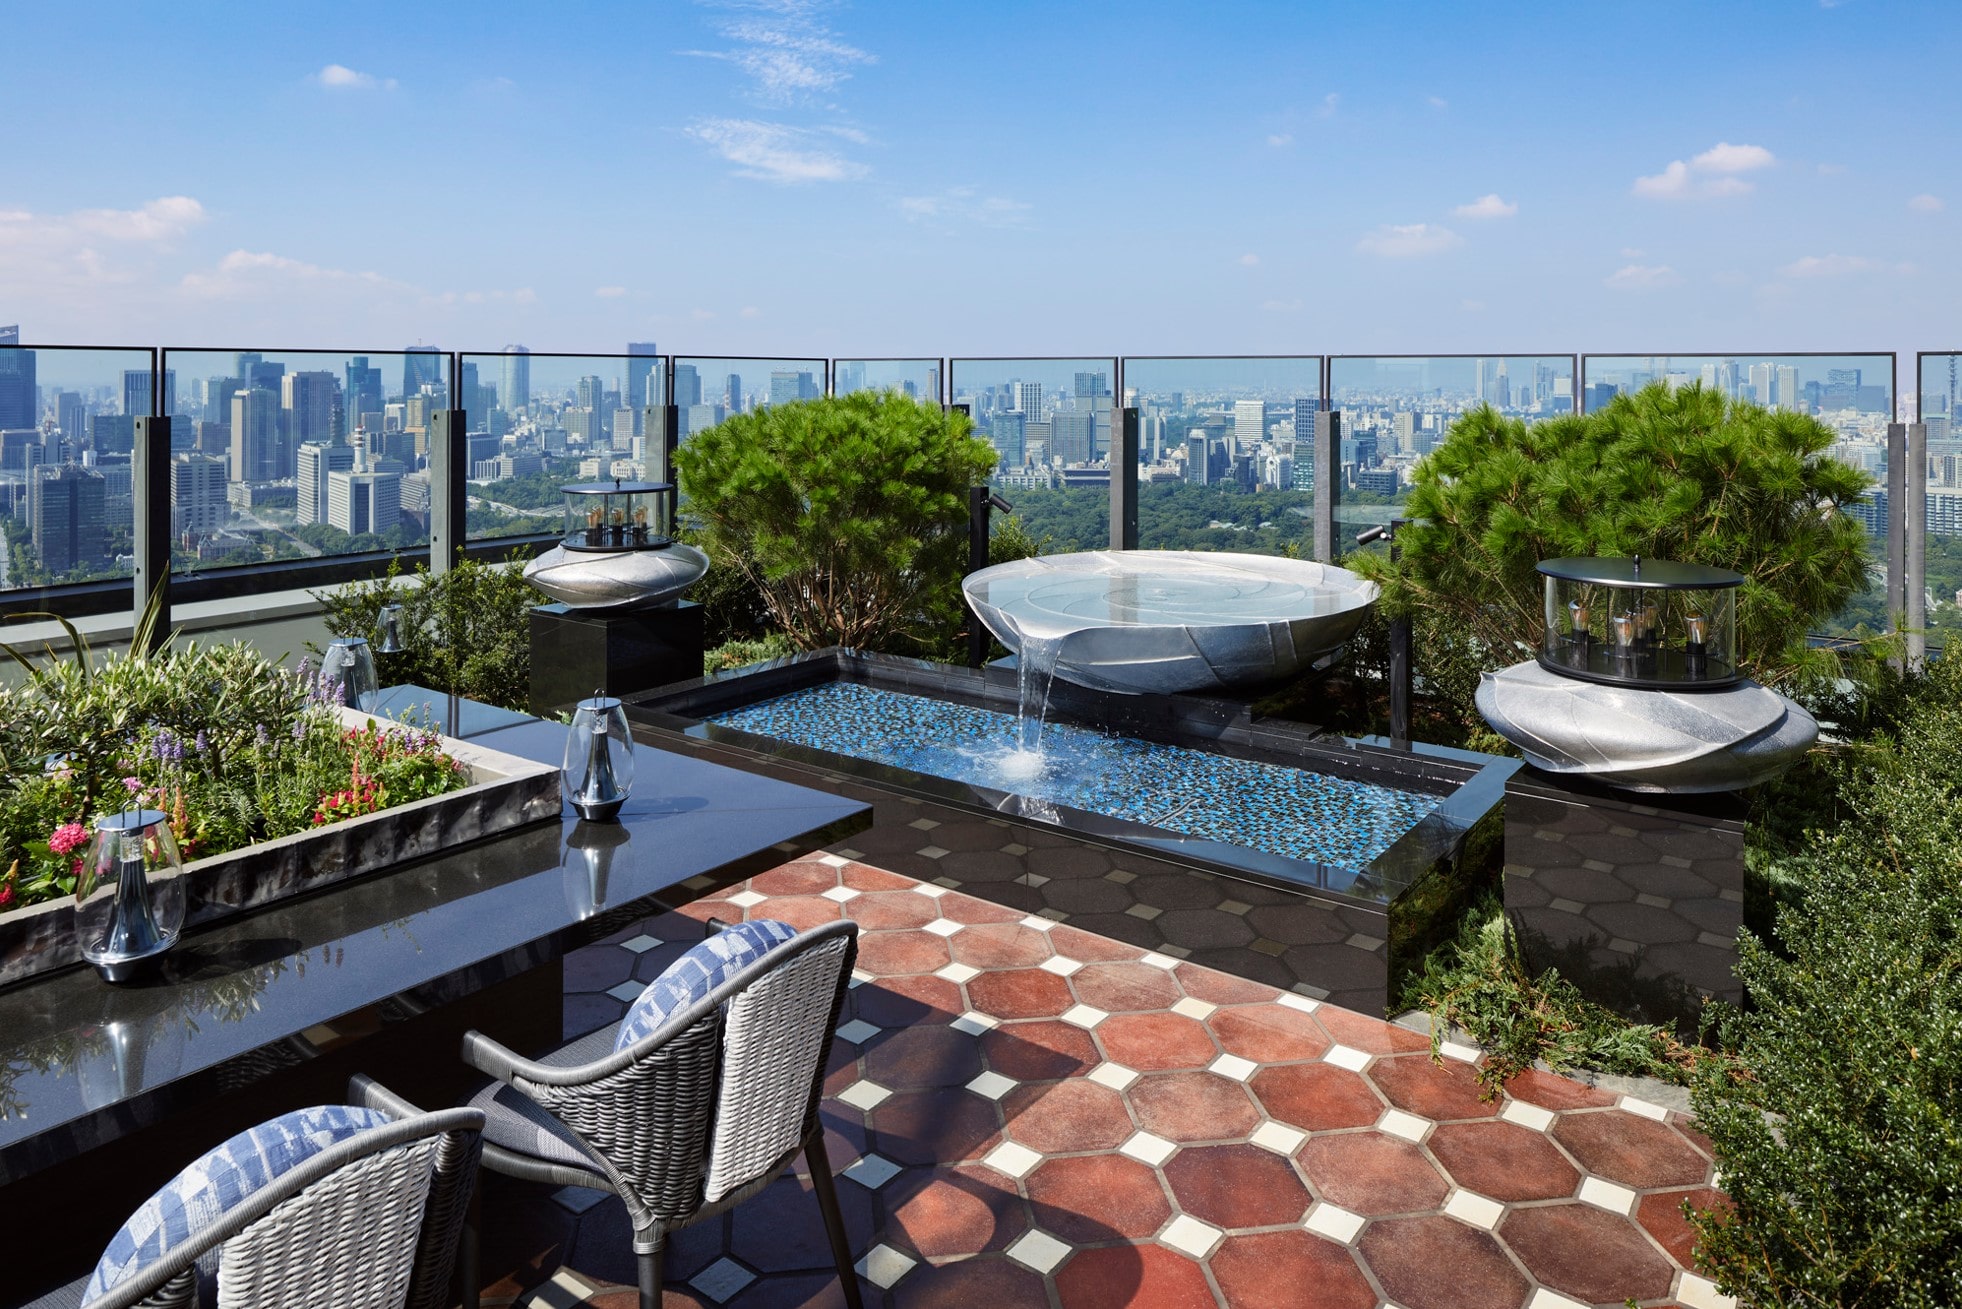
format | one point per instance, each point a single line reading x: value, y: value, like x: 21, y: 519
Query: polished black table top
x: 83, y: 1062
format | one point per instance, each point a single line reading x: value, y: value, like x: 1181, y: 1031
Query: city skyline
x: 825, y: 179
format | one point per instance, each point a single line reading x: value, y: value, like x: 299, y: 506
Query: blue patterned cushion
x: 218, y: 1183
x: 705, y: 967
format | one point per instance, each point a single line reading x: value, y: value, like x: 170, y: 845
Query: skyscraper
x: 65, y: 511
x: 197, y: 494
x: 1072, y: 436
x: 514, y: 394
x: 1090, y: 385
x: 732, y: 393
x: 361, y: 396
x: 643, y: 384
x: 1249, y: 424
x: 69, y: 415
x: 422, y: 366
x: 311, y: 402
x: 687, y: 386
x: 591, y: 392
x: 364, y: 502
x: 788, y: 384
x: 255, y: 435
x: 136, y: 392
x: 316, y: 460
x: 1008, y: 431
x: 1028, y: 398
x: 19, y: 403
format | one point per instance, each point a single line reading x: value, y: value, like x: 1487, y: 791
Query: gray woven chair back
x: 774, y: 1040
x: 348, y: 1240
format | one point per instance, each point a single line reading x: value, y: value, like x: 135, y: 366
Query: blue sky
x: 996, y: 178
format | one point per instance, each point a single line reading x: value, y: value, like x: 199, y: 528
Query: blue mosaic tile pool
x: 1280, y: 810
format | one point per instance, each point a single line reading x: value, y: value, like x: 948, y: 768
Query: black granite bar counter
x: 83, y: 1063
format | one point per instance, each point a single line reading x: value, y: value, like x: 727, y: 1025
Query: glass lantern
x: 347, y: 673
x: 1652, y: 624
x: 599, y: 759
x: 588, y: 865
x: 389, y: 623
x: 129, y: 895
x: 619, y: 515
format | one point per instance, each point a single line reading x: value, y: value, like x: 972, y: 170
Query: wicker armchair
x: 690, y: 1120
x: 370, y: 1221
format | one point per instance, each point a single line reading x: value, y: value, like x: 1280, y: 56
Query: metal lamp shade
x: 347, y: 673
x: 389, y: 621
x: 129, y: 894
x: 599, y: 759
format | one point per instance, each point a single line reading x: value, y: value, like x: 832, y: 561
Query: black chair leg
x: 834, y: 1218
x: 470, y: 1252
x: 650, y: 1280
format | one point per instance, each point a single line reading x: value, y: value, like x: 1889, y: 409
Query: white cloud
x: 244, y: 274
x: 1487, y: 206
x: 776, y: 152
x: 1642, y: 277
x: 1836, y: 265
x: 1249, y: 260
x: 610, y: 292
x: 1723, y: 157
x: 1281, y: 306
x: 1927, y: 204
x: 1330, y: 103
x: 749, y: 311
x: 163, y: 219
x: 339, y: 77
x: 786, y: 53
x: 1409, y: 241
x: 1437, y: 102
x: 967, y: 205
x: 1680, y: 181
x: 63, y: 260
x: 1280, y: 139
x: 1630, y: 252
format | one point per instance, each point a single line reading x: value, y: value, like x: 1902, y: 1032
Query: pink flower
x: 67, y: 837
x: 134, y: 785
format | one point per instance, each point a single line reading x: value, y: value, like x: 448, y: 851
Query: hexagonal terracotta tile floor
x: 1057, y: 1118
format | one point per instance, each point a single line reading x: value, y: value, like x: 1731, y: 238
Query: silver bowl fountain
x: 618, y: 550
x: 1143, y: 622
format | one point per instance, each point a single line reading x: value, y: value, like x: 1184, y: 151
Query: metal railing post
x: 150, y: 493
x: 449, y: 487
x: 1914, y: 532
x: 1328, y: 473
x: 1895, y: 534
x: 1123, y: 460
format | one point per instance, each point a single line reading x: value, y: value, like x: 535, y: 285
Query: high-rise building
x: 218, y: 393
x: 197, y: 494
x: 19, y: 397
x: 732, y: 393
x: 318, y: 459
x: 643, y: 382
x: 1073, y: 435
x: 1028, y: 398
x: 1249, y: 424
x: 10, y: 334
x: 514, y: 386
x: 65, y: 508
x: 243, y: 364
x: 112, y: 434
x: 687, y: 386
x: 70, y: 416
x: 422, y: 365
x: 361, y: 396
x: 788, y: 384
x: 1198, y: 458
x: 311, y: 402
x: 21, y: 449
x: 591, y: 392
x: 255, y: 435
x: 1789, y: 396
x: 136, y: 392
x: 364, y: 502
x: 1008, y: 432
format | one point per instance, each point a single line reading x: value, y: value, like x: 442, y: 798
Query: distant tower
x: 362, y: 395
x: 65, y: 512
x: 641, y: 363
x: 18, y: 395
x: 422, y: 365
x: 255, y: 435
x: 515, y: 393
x: 1028, y: 398
x: 136, y: 391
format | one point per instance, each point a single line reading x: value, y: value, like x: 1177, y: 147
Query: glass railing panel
x: 1226, y: 452
x: 1396, y: 409
x: 1941, y: 483
x: 1050, y: 421
x: 301, y: 454
x: 537, y: 421
x: 1853, y: 394
x: 919, y: 378
x: 708, y: 389
x: 67, y: 436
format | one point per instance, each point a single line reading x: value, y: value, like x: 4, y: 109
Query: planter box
x: 504, y: 792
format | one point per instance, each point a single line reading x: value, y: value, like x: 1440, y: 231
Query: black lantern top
x: 1652, y: 624
x: 619, y: 515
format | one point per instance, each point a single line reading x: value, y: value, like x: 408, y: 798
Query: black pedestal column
x: 575, y: 652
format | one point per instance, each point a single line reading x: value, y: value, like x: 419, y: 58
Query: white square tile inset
x: 1157, y: 960
x: 1147, y: 1149
x: 1278, y: 1137
x: 1343, y: 1056
x: 864, y: 1095
x: 944, y: 927
x: 628, y: 991
x: 1015, y: 1160
x: 932, y: 852
x: 721, y: 1280
x: 1188, y: 1235
x: 1606, y: 1195
x: 1335, y: 1223
x: 833, y: 860
x: 1040, y: 924
x: 991, y: 1086
x: 1059, y: 965
x: 1645, y: 1108
x: 873, y: 1171
x: 1037, y: 1249
x: 883, y: 1265
x: 1702, y: 1293
x: 974, y: 1022
x: 841, y: 893
x: 958, y: 973
x: 1115, y: 1076
x: 1233, y: 1066
x: 641, y: 944
x: 1192, y: 1008
x: 1398, y: 1123
x: 857, y: 1031
x: 1474, y: 1209
x: 1545, y: 1299
x: 1464, y: 1054
x: 747, y: 899
x: 924, y: 824
x: 928, y: 889
x: 1292, y: 1001
x: 1083, y: 1015
x: 1527, y: 1115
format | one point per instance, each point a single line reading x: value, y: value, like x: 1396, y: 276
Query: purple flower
x: 200, y: 743
x: 134, y: 785
x: 260, y: 734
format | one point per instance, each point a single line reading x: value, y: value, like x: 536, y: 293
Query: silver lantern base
x: 615, y: 581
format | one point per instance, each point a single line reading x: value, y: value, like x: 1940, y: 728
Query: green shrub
x: 731, y: 655
x: 847, y: 516
x: 1684, y: 474
x: 1842, y: 1150
x: 467, y: 630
